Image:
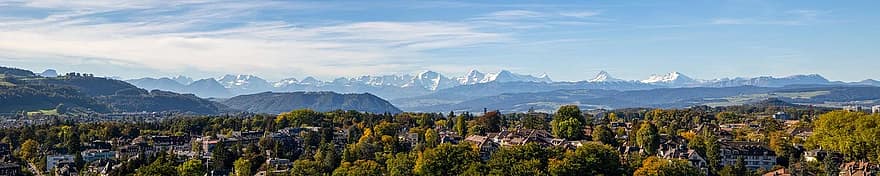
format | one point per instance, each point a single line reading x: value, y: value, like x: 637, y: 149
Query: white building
x: 97, y: 154
x: 56, y: 160
x: 875, y: 109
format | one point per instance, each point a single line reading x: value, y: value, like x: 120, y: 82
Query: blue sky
x: 568, y: 40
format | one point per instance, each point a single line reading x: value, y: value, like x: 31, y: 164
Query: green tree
x: 446, y: 159
x: 590, y: 159
x: 242, y: 167
x: 401, y: 164
x: 359, y: 168
x: 306, y: 168
x: 529, y: 159
x: 531, y: 121
x: 461, y: 126
x: 192, y: 167
x: 602, y: 133
x: 648, y: 138
x: 29, y: 150
x: 568, y: 123
x: 431, y: 138
x: 654, y: 166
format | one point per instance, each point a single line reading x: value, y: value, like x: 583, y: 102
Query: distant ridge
x: 276, y: 103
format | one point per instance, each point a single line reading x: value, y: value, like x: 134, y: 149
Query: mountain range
x: 433, y: 91
x: 24, y: 91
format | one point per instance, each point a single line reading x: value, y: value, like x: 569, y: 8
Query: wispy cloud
x: 206, y: 36
x: 790, y: 17
x: 580, y: 14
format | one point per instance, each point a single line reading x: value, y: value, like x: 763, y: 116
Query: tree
x: 602, y: 133
x: 306, y: 167
x: 242, y: 167
x: 192, y: 167
x: 29, y: 150
x: 531, y: 121
x: 590, y: 159
x: 461, y: 126
x: 221, y: 157
x: 648, y: 138
x: 529, y: 159
x: 431, y: 138
x: 401, y: 164
x: 446, y: 159
x: 568, y: 123
x: 161, y: 166
x: 654, y: 166
x: 359, y: 168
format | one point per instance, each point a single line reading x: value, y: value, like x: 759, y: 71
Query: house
x: 279, y: 163
x: 683, y: 153
x: 875, y: 109
x: 859, y: 169
x: 755, y: 155
x: 53, y: 161
x: 520, y: 137
x: 97, y: 154
x: 486, y: 146
x: 9, y: 169
x: 449, y: 137
x: 779, y: 172
x: 782, y: 116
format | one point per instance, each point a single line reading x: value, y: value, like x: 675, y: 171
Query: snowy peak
x: 285, y: 82
x: 250, y: 82
x: 473, y: 77
x: 431, y: 80
x: 310, y: 81
x: 671, y: 79
x: 183, y: 80
x: 603, y: 76
x: 507, y: 76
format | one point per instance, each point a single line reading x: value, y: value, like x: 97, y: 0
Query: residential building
x: 859, y: 169
x: 9, y: 169
x: 755, y: 155
x: 53, y: 161
x: 875, y: 109
x: 682, y: 152
x: 97, y: 154
x: 486, y: 146
x: 779, y: 172
x: 782, y: 116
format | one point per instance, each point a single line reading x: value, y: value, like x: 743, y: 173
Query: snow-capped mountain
x: 385, y: 80
x: 431, y: 80
x: 244, y: 83
x: 604, y: 76
x: 673, y: 79
x: 507, y: 76
x: 183, y: 79
x: 473, y: 77
x: 311, y: 81
x: 285, y: 82
x: 769, y: 81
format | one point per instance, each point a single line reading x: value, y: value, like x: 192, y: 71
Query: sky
x: 568, y: 40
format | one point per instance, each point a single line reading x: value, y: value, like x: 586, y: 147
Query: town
x: 737, y: 140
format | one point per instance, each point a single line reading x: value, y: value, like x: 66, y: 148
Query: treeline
x: 373, y: 143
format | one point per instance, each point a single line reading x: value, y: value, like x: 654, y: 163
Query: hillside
x: 276, y: 103
x: 85, y: 93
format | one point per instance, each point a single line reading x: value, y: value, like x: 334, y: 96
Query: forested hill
x: 23, y: 91
x: 276, y: 103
